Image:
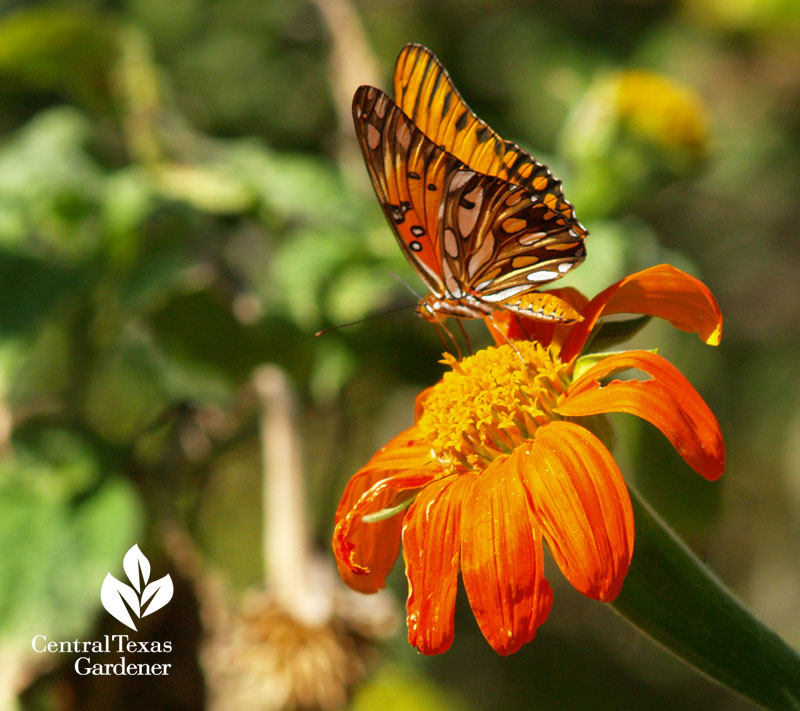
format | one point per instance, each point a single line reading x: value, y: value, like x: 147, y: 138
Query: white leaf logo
x: 120, y: 599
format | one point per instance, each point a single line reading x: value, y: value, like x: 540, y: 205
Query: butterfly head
x: 426, y: 309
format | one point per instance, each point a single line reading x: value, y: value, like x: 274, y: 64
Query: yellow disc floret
x: 490, y: 402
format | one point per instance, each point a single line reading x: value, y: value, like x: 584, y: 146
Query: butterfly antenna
x: 366, y: 318
x: 407, y: 285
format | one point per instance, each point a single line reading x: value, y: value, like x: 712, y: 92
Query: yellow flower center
x: 491, y: 402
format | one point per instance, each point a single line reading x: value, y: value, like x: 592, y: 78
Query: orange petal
x: 579, y: 497
x: 662, y: 291
x: 378, y: 542
x: 667, y: 401
x: 502, y: 560
x: 505, y: 326
x: 431, y: 549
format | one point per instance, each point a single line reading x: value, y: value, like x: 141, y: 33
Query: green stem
x: 674, y: 598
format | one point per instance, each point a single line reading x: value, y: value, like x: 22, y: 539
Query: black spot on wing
x: 446, y: 103
x: 398, y: 212
x: 461, y: 122
x: 521, y: 160
x: 425, y: 73
x: 435, y: 88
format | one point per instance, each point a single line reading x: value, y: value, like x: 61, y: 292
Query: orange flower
x: 496, y: 462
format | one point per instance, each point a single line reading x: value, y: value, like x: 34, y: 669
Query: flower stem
x: 675, y: 599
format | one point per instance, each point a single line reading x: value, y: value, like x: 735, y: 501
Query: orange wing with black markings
x: 425, y: 92
x: 408, y: 173
x: 479, y: 240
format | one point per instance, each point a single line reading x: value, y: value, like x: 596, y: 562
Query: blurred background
x: 182, y: 206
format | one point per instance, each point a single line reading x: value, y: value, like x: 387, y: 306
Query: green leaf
x: 50, y: 186
x: 674, y: 598
x: 610, y: 332
x: 58, y: 537
x: 31, y: 289
x: 66, y: 50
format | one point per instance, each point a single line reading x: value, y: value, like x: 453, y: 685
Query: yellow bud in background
x: 632, y: 132
x: 660, y: 109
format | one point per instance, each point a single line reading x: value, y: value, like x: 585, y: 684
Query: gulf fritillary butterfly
x: 483, y: 223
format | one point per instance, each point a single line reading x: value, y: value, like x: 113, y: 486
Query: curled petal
x: 662, y: 291
x: 431, y: 549
x: 580, y: 499
x: 505, y: 325
x: 667, y: 401
x: 502, y: 559
x: 376, y: 543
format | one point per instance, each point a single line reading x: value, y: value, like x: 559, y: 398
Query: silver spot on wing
x: 531, y: 238
x: 459, y: 178
x: 403, y: 134
x: 450, y: 281
x: 468, y: 210
x: 373, y: 136
x: 450, y: 243
x: 504, y: 294
x: 542, y: 276
x: 380, y: 106
x: 482, y: 256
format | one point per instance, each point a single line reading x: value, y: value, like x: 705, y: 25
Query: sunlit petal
x: 662, y: 291
x: 667, y: 400
x: 502, y: 559
x: 580, y: 499
x: 431, y: 549
x: 377, y: 542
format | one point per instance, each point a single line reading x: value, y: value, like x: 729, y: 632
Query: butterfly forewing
x: 408, y: 172
x: 424, y: 91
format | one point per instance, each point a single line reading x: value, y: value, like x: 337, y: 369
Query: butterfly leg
x: 466, y: 336
x: 441, y: 329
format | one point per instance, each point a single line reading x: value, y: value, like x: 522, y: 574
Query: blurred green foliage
x: 178, y: 206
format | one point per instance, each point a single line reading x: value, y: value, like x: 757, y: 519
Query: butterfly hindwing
x: 498, y: 239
